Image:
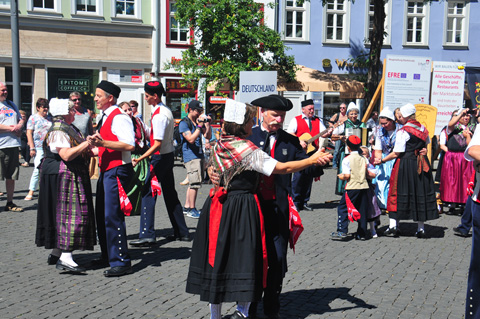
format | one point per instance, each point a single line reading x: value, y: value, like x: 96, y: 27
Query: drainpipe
x: 156, y: 35
x: 15, y: 52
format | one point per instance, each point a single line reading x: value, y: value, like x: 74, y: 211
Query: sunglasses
x: 76, y: 100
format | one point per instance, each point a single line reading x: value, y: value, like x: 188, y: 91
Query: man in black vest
x: 273, y: 194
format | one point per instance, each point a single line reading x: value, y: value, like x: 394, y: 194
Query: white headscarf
x: 407, y: 110
x: 59, y: 106
x: 352, y: 106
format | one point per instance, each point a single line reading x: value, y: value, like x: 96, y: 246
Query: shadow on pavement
x: 305, y: 302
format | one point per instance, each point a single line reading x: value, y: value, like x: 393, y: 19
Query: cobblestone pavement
x: 384, y: 277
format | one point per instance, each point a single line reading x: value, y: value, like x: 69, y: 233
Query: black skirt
x: 238, y: 267
x: 46, y: 233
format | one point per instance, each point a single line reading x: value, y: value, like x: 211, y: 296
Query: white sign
x: 447, y: 90
x: 407, y: 80
x: 318, y: 103
x: 255, y: 84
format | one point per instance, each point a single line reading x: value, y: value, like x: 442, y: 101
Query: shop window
x: 336, y: 25
x: 387, y: 26
x: 177, y: 97
x: 416, y: 23
x: 5, y: 3
x: 296, y: 26
x: 456, y: 23
x: 177, y: 34
x: 61, y: 82
x: 26, y: 87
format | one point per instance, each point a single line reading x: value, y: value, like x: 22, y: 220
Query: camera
x: 471, y: 111
x: 204, y: 120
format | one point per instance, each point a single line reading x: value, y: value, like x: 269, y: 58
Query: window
x: 127, y: 8
x: 5, y: 3
x: 26, y: 87
x: 456, y: 23
x: 369, y: 26
x: 87, y: 7
x: 44, y: 5
x: 177, y: 34
x: 296, y: 26
x: 416, y: 23
x: 336, y: 25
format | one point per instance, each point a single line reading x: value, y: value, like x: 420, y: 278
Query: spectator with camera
x: 191, y: 128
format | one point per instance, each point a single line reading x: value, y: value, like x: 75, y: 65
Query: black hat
x: 273, y: 102
x: 110, y: 88
x: 195, y: 105
x: 307, y: 102
x: 154, y: 87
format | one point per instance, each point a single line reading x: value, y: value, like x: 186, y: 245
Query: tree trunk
x: 376, y: 43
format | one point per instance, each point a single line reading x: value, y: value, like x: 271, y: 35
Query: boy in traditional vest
x: 354, y: 201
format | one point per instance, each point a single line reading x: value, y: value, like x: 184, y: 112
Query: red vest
x: 152, y: 141
x: 109, y: 158
x: 302, y: 127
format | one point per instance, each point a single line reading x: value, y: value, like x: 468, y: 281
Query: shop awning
x: 317, y: 81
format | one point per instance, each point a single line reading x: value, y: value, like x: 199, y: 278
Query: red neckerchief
x: 415, y: 128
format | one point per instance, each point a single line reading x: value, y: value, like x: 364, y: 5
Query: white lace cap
x: 234, y: 111
x: 58, y: 106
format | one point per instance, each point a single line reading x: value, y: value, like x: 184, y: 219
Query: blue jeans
x: 34, y: 179
x: 335, y: 154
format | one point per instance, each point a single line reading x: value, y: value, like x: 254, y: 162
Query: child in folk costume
x: 373, y: 212
x: 354, y: 203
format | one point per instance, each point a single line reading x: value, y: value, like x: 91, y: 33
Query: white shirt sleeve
x: 443, y: 138
x: 292, y: 126
x: 378, y: 142
x: 58, y: 140
x: 266, y: 165
x: 322, y: 126
x: 339, y: 130
x: 400, y: 141
x: 475, y: 141
x: 346, y: 166
x: 122, y: 127
x: 159, y: 123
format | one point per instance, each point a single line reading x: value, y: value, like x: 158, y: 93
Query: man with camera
x: 191, y: 129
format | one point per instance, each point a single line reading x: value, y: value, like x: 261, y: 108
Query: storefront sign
x: 255, y: 84
x: 447, y: 90
x: 407, y: 80
x: 69, y: 85
x: 218, y: 99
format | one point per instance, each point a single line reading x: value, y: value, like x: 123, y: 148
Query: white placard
x: 255, y: 84
x: 234, y: 111
x: 407, y: 80
x: 448, y: 83
x: 113, y: 75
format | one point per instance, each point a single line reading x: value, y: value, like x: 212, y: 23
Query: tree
x: 229, y: 37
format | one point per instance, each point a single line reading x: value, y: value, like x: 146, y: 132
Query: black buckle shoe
x: 143, y: 242
x: 66, y: 267
x: 394, y: 232
x: 52, y: 260
x: 307, y: 207
x: 118, y: 271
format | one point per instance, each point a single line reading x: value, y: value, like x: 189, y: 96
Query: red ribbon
x: 125, y: 204
x: 353, y: 213
x: 295, y: 223
x: 156, y: 189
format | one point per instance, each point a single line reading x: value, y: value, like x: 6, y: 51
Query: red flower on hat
x: 156, y: 83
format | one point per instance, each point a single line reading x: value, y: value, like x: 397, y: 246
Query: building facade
x: 70, y: 45
x: 327, y: 38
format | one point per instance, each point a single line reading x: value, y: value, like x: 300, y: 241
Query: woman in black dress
x: 229, y: 262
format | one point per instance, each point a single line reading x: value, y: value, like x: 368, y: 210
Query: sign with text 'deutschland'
x: 255, y: 84
x: 448, y: 82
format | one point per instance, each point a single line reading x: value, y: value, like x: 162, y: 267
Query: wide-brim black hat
x: 273, y: 102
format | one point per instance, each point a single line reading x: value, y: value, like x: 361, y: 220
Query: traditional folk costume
x: 385, y: 141
x: 141, y: 169
x: 456, y: 170
x: 229, y: 257
x: 472, y: 304
x: 348, y: 128
x: 412, y: 194
x: 65, y: 189
x: 355, y: 196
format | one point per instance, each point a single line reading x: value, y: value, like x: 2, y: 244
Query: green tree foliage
x: 229, y: 37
